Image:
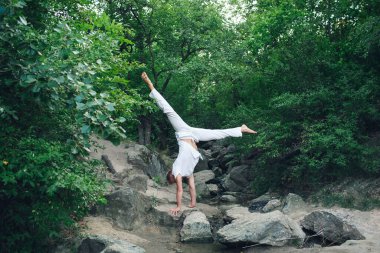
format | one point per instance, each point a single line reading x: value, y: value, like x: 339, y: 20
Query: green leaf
x: 110, y: 107
x: 121, y: 119
x: 85, y: 129
x: 30, y: 79
x: 79, y: 98
x: 80, y: 106
x: 60, y: 79
x: 101, y: 117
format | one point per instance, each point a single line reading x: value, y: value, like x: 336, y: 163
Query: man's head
x: 170, y: 178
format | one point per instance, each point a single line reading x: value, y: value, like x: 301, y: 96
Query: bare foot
x: 245, y: 129
x: 191, y: 205
x: 146, y: 79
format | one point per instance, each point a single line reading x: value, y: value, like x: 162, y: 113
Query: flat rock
x: 105, y: 244
x: 272, y: 228
x: 102, y: 226
x: 237, y: 212
x: 162, y: 216
x: 228, y: 198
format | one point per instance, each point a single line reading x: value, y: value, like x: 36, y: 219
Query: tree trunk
x: 141, y: 132
x: 147, y: 129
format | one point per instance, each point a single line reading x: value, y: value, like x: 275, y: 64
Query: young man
x: 187, y: 137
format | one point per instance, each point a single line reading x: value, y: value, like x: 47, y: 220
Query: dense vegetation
x: 304, y: 74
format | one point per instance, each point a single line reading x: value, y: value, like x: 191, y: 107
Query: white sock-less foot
x: 245, y: 129
x: 146, y: 79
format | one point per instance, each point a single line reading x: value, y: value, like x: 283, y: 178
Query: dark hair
x: 169, y: 177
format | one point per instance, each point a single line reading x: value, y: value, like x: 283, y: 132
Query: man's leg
x: 176, y: 121
x: 216, y: 134
x: 193, y: 195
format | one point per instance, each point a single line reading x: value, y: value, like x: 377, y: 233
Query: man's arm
x: 176, y: 210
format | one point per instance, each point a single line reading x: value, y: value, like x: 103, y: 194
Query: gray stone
x: 257, y: 204
x: 330, y: 227
x: 213, y: 189
x: 271, y: 205
x: 201, y: 178
x: 212, y: 162
x: 238, y: 179
x: 104, y: 244
x: 273, y: 228
x: 137, y: 181
x: 126, y: 207
x: 156, y: 166
x: 217, y: 171
x: 231, y: 164
x: 230, y: 185
x: 227, y: 158
x: 236, y: 212
x: 204, y: 176
x: 241, y: 175
x: 196, y: 228
x: 293, y: 203
x: 228, y: 198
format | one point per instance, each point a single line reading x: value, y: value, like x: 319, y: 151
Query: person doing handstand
x: 187, y: 137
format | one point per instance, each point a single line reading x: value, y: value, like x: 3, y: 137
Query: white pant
x: 188, y: 157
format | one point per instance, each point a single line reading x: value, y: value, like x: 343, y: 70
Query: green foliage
x: 44, y: 188
x: 321, y: 108
x: 63, y: 77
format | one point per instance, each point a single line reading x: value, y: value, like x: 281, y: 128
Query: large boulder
x: 201, y: 178
x: 236, y: 212
x: 330, y: 227
x: 126, y: 207
x: 196, y: 228
x: 272, y: 205
x: 156, y: 167
x: 293, y: 203
x: 137, y: 181
x: 104, y: 244
x: 238, y: 179
x: 273, y: 228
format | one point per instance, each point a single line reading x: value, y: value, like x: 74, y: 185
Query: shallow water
x: 166, y: 240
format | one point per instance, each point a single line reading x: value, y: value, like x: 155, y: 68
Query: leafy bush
x: 60, y: 64
x: 44, y: 189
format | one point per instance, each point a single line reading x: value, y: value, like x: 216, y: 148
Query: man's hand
x: 175, y: 211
